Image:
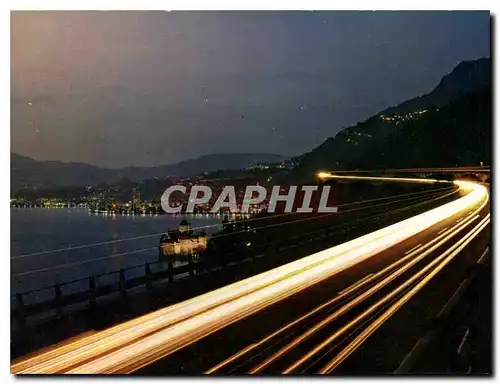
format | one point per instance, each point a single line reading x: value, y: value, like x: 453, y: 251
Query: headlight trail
x: 55, y: 351
x: 134, y: 344
x: 430, y: 246
x: 448, y: 255
x: 366, y: 313
x: 414, y: 170
x: 108, y: 335
x: 341, y: 295
x: 325, y: 175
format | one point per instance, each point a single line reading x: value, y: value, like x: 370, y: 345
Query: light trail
x: 325, y: 175
x: 130, y: 346
x: 356, y: 285
x: 418, y: 170
x: 444, y: 229
x: 109, y: 242
x: 413, y: 249
x: 368, y: 312
x: 430, y: 193
x: 26, y: 363
x: 361, y: 317
x: 430, y: 246
x: 448, y: 256
x: 341, y: 295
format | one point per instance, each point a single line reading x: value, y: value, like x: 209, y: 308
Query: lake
x: 53, y: 245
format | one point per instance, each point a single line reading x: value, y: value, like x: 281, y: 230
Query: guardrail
x: 89, y: 289
x: 456, y: 354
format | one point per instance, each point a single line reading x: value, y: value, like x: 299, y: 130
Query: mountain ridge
x: 374, y: 142
x: 348, y: 149
x: 30, y: 173
x: 465, y: 77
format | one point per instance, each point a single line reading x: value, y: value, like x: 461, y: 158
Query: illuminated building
x: 182, y: 242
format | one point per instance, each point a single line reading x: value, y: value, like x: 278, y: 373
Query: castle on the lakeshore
x: 183, y: 241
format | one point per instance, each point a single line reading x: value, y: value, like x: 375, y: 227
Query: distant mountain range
x: 449, y: 126
x: 29, y: 173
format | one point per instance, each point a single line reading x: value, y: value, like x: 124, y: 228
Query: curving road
x: 319, y: 335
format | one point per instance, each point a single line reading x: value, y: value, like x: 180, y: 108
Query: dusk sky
x: 147, y: 88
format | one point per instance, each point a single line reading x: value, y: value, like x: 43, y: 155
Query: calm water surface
x: 38, y: 230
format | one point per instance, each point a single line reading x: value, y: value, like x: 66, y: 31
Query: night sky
x: 147, y: 88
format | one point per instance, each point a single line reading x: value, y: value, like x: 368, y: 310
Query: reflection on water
x: 38, y: 229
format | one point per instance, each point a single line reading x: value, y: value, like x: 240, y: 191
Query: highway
x: 359, y: 285
x: 472, y: 169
